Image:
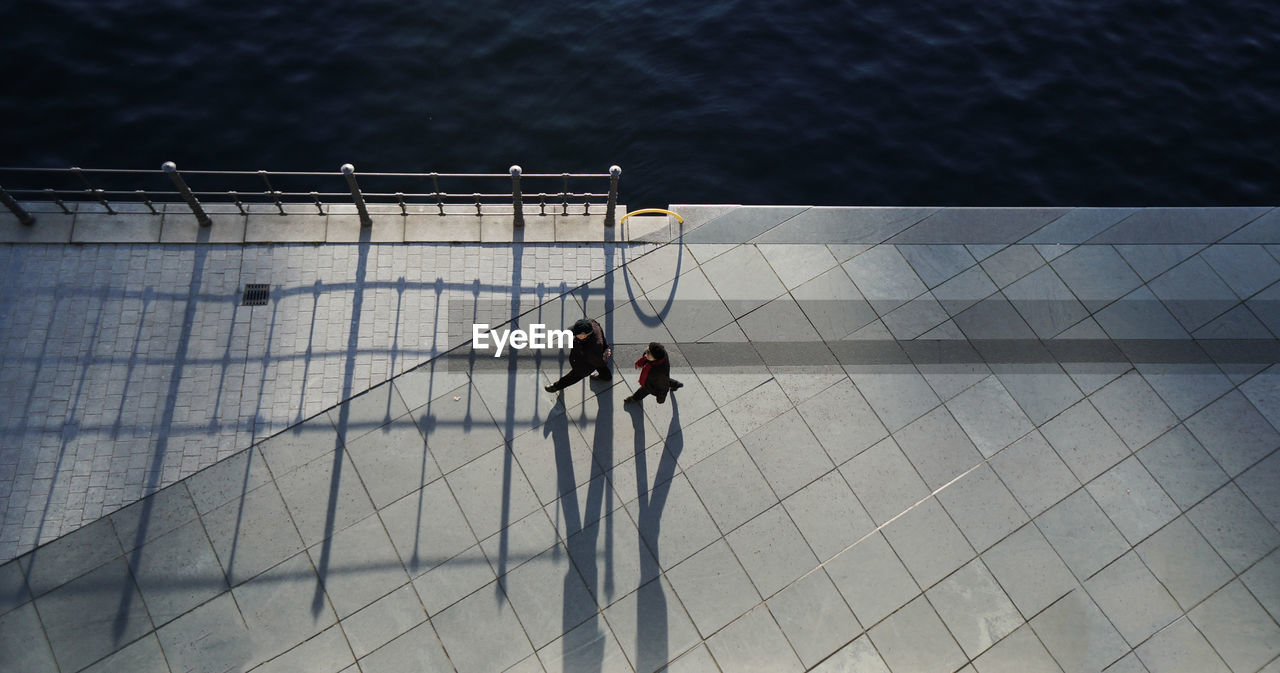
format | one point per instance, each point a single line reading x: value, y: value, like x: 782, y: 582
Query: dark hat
x: 657, y: 351
x: 583, y: 326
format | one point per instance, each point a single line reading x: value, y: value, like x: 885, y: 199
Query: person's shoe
x: 676, y: 385
x: 550, y: 389
x: 597, y: 377
x: 630, y: 399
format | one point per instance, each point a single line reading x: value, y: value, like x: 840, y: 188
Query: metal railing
x: 278, y: 189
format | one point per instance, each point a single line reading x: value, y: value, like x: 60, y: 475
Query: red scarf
x: 644, y: 364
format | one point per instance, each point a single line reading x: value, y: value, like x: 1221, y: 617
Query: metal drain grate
x: 256, y: 294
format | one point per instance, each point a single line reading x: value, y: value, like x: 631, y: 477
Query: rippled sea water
x: 998, y: 102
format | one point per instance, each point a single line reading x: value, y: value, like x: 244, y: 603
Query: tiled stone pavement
x: 871, y: 468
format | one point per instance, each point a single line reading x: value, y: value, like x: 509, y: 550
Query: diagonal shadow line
x: 225, y: 364
x: 344, y: 413
x: 660, y: 313
x: 133, y: 362
x: 508, y: 429
x: 127, y: 592
x: 307, y: 354
x: 415, y: 560
x: 651, y: 605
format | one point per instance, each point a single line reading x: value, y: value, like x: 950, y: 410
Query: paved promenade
x: 911, y: 439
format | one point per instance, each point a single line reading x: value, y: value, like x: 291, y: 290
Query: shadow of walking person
x: 651, y: 604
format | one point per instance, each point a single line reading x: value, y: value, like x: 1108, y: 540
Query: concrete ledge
x: 50, y: 227
x: 344, y: 224
x: 132, y: 223
x: 300, y: 224
x: 179, y: 225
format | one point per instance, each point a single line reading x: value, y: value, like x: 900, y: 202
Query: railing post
x: 614, y: 173
x: 350, y: 172
x: 172, y: 169
x: 9, y: 202
x: 516, y: 201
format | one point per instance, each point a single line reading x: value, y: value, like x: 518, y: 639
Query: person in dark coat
x: 655, y: 375
x: 590, y: 352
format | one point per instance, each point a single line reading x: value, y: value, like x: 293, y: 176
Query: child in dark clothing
x: 655, y: 375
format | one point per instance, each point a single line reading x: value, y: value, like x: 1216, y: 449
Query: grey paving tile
x: 1263, y: 580
x: 70, y: 556
x: 701, y: 438
x: 795, y: 264
x: 833, y: 304
x: 153, y: 516
x: 884, y: 480
x: 1186, y: 388
x: 872, y: 558
x: 803, y: 382
x: 1084, y: 441
x: 1028, y: 570
x: 814, y: 618
x: 607, y: 426
x: 324, y: 496
x: 1184, y: 469
x: 828, y: 515
x: 695, y: 660
x: 1180, y: 647
x: 884, y: 277
x: 1235, y: 528
x: 964, y: 290
x: 1129, y: 663
x: 982, y: 507
x: 743, y: 279
x: 210, y: 639
x: 916, y: 317
x: 950, y: 379
x: 142, y: 656
x: 458, y: 431
x: 1179, y: 225
x: 480, y: 633
x: 455, y: 579
x: 252, y: 534
x: 859, y: 655
x: 928, y: 542
x: 1081, y: 534
x: 1193, y: 293
x: 974, y: 608
x: 392, y: 461
x: 325, y: 653
x: 1150, y: 261
x: 1077, y: 634
x: 587, y: 647
x: 1238, y: 628
x: 787, y: 454
x: 1246, y: 268
x: 756, y: 408
x: 492, y: 492
x: 989, y: 416
x: 713, y: 587
x: 846, y: 251
x: 427, y: 527
x: 1045, y: 302
x: 368, y: 412
x: 1261, y: 230
x: 359, y: 566
x: 657, y: 266
x: 845, y: 225
x: 93, y: 616
x: 772, y: 551
x: 673, y: 522
x: 935, y: 264
x: 283, y: 607
x: 1233, y: 431
x: 1034, y: 473
x: 1140, y: 315
x: 1078, y: 225
x: 1096, y: 274
x: 299, y: 445
x: 742, y: 224
x: 521, y: 541
x: 548, y: 595
x: 1042, y: 390
x: 842, y: 421
x: 1134, y: 410
x: 1012, y: 263
x: 13, y: 587
x: 979, y: 225
x: 898, y: 395
x: 1264, y: 391
x: 1266, y: 308
x: 651, y: 626
x: 1133, y: 500
x: 754, y: 641
x: 1184, y: 562
x: 731, y: 487
x: 937, y: 447
x: 1018, y: 653
x: 177, y: 572
x: 1091, y: 376
x: 431, y: 381
x: 915, y: 639
x: 23, y: 646
x: 383, y: 620
x: 1257, y: 483
x: 227, y: 479
x: 1132, y: 599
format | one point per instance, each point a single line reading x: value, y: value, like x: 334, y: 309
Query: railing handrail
x: 274, y: 196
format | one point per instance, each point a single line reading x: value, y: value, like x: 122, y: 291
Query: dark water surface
x: 998, y: 102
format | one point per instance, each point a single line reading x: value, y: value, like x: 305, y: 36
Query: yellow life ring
x: 648, y: 211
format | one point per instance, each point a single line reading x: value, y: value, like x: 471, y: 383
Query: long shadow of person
x: 651, y: 603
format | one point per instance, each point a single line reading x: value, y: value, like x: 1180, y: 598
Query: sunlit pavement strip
x: 981, y: 513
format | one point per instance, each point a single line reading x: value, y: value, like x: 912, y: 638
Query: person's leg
x: 675, y: 385
x: 565, y: 381
x: 638, y: 395
x: 602, y: 374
